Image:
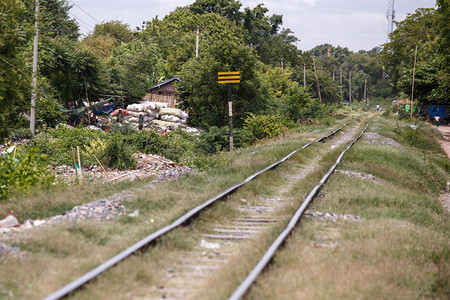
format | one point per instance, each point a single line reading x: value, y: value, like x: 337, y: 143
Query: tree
x: 422, y: 29
x: 55, y: 20
x: 176, y: 37
x: 16, y: 29
x: 206, y: 100
x: 258, y: 26
x: 225, y: 8
x: 118, y: 30
x: 71, y: 70
x: 135, y: 67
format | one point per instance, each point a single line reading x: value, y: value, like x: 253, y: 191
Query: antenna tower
x: 390, y: 16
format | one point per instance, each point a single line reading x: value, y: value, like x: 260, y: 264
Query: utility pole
x: 340, y: 75
x: 198, y: 34
x: 196, y: 42
x: 282, y: 63
x: 365, y: 88
x: 304, y: 75
x: 334, y: 72
x: 350, y: 86
x: 412, y: 89
x: 35, y: 53
x: 317, y: 79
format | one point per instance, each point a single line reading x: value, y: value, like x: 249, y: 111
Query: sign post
x: 229, y: 78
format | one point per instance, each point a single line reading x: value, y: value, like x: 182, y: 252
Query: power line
x: 85, y: 12
x: 85, y: 27
x: 81, y: 20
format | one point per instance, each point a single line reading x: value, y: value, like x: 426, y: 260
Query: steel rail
x: 267, y: 257
x: 72, y: 286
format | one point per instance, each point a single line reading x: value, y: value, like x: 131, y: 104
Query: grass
x: 59, y: 254
x: 400, y: 251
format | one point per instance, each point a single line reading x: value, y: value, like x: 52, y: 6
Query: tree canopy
x: 277, y: 78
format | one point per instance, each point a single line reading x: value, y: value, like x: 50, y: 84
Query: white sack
x: 170, y: 111
x: 152, y: 113
x: 169, y: 118
x: 184, y: 115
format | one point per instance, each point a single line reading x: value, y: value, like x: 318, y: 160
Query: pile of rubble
x: 332, y: 216
x: 147, y: 165
x: 375, y: 138
x: 363, y: 176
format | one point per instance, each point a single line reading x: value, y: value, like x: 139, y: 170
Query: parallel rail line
x: 77, y: 283
x: 267, y: 257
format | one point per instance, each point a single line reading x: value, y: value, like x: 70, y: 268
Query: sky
x: 355, y: 24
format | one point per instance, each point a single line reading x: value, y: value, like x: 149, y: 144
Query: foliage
x: 263, y: 126
x: 218, y: 139
x: 299, y: 106
x: 71, y: 70
x: 118, y: 30
x: 48, y: 111
x: 94, y: 147
x: 206, y: 100
x: 224, y: 8
x: 118, y: 153
x: 136, y: 67
x: 20, y: 133
x: 22, y: 173
x: 15, y: 80
x: 426, y: 30
x: 55, y: 145
x: 55, y: 21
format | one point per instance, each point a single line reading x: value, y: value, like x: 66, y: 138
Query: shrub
x: 56, y: 143
x: 118, y: 153
x: 178, y: 144
x: 218, y: 139
x: 263, y: 126
x: 148, y: 142
x: 21, y: 133
x: 22, y: 173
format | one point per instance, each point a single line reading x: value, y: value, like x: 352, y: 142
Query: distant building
x: 164, y: 92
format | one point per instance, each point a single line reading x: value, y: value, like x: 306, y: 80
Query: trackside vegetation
x: 400, y: 250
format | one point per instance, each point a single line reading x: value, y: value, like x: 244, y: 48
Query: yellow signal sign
x: 229, y: 77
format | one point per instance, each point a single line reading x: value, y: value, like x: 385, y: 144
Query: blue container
x: 438, y: 110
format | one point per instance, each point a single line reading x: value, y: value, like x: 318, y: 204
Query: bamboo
x: 101, y: 166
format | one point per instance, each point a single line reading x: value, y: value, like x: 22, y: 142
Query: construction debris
x: 147, y: 165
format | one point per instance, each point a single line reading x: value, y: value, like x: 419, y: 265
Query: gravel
x: 325, y: 216
x: 375, y: 138
x: 363, y: 176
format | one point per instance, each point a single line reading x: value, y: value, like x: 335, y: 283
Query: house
x: 164, y: 92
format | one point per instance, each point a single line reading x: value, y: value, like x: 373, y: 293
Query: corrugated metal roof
x: 163, y: 83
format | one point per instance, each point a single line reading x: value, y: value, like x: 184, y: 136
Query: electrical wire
x: 81, y: 20
x: 85, y: 12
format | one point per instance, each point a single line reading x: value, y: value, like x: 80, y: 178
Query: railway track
x: 253, y: 220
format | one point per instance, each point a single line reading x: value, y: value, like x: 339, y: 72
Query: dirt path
x: 445, y: 131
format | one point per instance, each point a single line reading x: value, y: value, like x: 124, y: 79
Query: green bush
x: 22, y: 173
x: 263, y: 126
x: 218, y: 139
x: 417, y: 138
x: 148, y: 142
x: 118, y: 153
x: 177, y: 145
x: 56, y: 144
x: 22, y: 133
